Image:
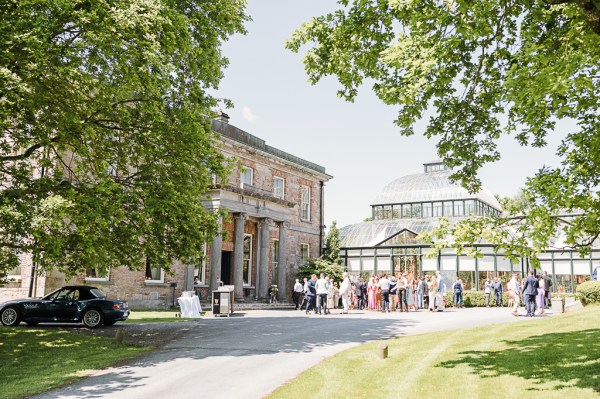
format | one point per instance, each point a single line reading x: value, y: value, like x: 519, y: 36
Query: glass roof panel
x: 430, y: 186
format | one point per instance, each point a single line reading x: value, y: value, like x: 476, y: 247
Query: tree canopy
x: 107, y: 151
x: 481, y: 69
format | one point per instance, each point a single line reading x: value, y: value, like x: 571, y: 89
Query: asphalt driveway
x: 252, y: 353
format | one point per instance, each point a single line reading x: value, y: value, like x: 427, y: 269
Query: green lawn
x: 34, y: 360
x: 143, y: 316
x: 556, y: 357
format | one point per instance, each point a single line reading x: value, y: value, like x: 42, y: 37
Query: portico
x: 255, y: 218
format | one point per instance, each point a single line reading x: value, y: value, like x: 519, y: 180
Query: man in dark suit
x: 359, y: 291
x: 498, y: 291
x: 311, y: 294
x: 547, y: 285
x: 529, y: 292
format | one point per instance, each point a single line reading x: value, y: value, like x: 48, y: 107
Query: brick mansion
x: 274, y: 223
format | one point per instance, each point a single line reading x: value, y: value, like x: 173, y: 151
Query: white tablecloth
x: 190, y: 307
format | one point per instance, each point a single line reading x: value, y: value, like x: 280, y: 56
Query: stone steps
x: 260, y: 305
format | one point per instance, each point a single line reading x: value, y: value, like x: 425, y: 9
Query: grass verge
x: 555, y: 357
x: 165, y: 316
x: 35, y: 361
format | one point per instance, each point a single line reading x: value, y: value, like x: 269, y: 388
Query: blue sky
x: 356, y: 142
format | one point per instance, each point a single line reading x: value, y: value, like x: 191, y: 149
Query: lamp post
x: 173, y: 285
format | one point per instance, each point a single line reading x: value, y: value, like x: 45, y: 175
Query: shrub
x: 472, y: 299
x: 589, y: 292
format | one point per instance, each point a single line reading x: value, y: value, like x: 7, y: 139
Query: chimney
x: 223, y: 117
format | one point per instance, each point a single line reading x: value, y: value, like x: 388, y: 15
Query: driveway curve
x: 252, y: 353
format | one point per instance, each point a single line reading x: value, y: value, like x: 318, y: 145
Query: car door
x: 32, y: 309
x: 68, y: 306
x: 54, y: 305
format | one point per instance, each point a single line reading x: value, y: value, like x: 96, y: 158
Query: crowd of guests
x: 402, y: 292
x: 405, y: 292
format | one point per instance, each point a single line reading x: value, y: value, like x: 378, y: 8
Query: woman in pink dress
x: 372, y: 293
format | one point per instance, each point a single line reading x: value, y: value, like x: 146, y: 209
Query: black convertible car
x: 70, y: 304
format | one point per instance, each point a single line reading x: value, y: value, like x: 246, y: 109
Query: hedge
x: 589, y: 292
x: 473, y: 299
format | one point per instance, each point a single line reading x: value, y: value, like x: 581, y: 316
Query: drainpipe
x: 321, y: 226
x: 257, y: 264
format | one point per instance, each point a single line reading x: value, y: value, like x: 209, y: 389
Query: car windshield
x: 97, y: 293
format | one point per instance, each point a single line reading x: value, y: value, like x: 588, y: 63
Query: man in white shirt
x: 384, y: 285
x: 321, y: 287
x: 298, y: 291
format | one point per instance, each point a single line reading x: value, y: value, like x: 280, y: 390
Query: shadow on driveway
x: 209, y: 343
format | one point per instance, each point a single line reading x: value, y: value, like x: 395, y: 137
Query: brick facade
x: 256, y: 203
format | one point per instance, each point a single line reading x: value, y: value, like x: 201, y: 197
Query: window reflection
x: 448, y: 208
x: 437, y: 209
x: 459, y: 208
x: 387, y: 212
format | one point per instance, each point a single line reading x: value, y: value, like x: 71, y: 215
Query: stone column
x: 263, y: 267
x: 256, y: 261
x: 238, y: 256
x: 216, y: 247
x: 282, y: 261
x: 189, y: 278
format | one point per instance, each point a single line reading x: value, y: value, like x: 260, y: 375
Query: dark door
x: 226, y: 267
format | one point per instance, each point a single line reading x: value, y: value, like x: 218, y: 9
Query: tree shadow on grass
x: 562, y: 359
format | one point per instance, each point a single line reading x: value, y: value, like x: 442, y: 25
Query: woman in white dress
x: 432, y: 285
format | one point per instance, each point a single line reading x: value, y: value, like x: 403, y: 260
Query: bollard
x: 558, y: 305
x: 119, y: 336
x: 382, y: 350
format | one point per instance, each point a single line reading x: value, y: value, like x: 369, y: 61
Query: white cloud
x: 248, y: 114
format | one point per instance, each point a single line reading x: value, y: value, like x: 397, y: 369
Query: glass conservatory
x: 414, y: 203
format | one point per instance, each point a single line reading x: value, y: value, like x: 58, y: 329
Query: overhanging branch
x: 27, y: 153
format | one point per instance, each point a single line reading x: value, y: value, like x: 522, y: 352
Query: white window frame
x: 303, y: 261
x: 14, y: 274
x: 106, y: 278
x: 275, y: 188
x: 249, y: 260
x: 305, y: 203
x: 13, y: 278
x: 243, y: 172
x: 151, y: 281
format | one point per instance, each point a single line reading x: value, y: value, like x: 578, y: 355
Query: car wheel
x: 92, y: 318
x: 10, y: 316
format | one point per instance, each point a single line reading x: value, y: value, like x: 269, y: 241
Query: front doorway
x: 226, y: 267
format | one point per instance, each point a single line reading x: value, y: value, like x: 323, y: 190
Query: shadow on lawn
x: 565, y: 359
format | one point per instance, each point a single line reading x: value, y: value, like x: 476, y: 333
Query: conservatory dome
x: 432, y: 185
